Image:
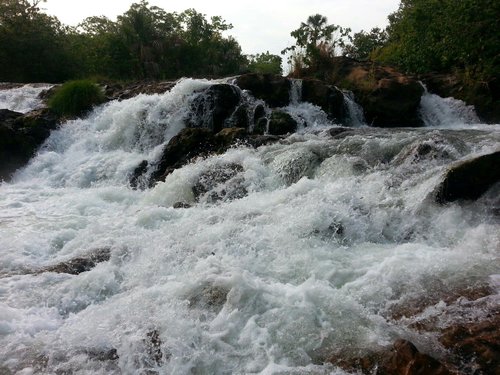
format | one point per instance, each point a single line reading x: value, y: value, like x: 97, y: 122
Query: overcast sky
x: 259, y: 25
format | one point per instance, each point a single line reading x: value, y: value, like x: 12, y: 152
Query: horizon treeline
x: 146, y: 42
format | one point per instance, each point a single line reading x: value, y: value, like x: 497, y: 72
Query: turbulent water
x: 331, y: 236
x: 23, y: 98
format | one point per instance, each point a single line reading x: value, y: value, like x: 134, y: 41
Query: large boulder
x: 188, y: 144
x: 327, y: 97
x: 469, y: 179
x: 21, y: 136
x: 281, y: 123
x: 273, y: 89
x: 388, y: 97
x: 213, y: 107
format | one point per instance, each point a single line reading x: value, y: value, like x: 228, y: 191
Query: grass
x: 75, y: 98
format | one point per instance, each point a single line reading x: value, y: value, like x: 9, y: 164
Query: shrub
x: 75, y: 98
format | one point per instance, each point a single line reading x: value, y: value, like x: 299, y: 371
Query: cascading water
x: 22, y: 99
x: 325, y: 239
x: 436, y: 111
x: 356, y: 116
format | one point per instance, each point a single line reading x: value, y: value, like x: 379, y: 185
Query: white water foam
x: 436, y: 111
x: 22, y: 99
x: 331, y: 235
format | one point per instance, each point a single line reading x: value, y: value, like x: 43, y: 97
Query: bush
x: 75, y: 98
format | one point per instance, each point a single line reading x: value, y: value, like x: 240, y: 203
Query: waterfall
x: 22, y: 99
x: 436, y: 111
x: 356, y: 117
x: 274, y: 260
x: 295, y: 91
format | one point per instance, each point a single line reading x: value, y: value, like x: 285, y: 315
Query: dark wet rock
x: 118, y: 91
x: 260, y: 127
x: 476, y: 344
x: 405, y: 358
x: 327, y: 97
x: 229, y: 136
x: 262, y: 140
x: 82, y: 264
x: 239, y: 118
x: 273, y: 89
x: 20, y: 137
x: 281, y: 123
x: 135, y: 179
x: 402, y: 358
x: 216, y: 181
x: 214, y: 106
x: 181, y: 205
x: 186, y: 145
x: 469, y: 179
x: 209, y: 296
x: 258, y: 113
x: 388, y: 97
x: 102, y: 355
x: 340, y: 132
x: 153, y: 347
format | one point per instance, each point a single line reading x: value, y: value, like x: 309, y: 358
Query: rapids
x: 332, y: 235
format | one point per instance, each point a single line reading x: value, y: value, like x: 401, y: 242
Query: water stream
x: 331, y: 236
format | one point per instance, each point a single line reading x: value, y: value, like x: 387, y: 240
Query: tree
x: 426, y: 35
x: 265, y: 63
x: 32, y: 44
x: 318, y: 40
x: 364, y: 43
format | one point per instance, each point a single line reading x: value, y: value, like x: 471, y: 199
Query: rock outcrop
x: 388, y: 97
x: 20, y: 137
x: 273, y: 89
x: 469, y: 179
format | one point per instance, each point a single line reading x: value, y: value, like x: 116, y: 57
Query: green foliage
x: 443, y: 35
x: 32, y: 44
x: 74, y: 98
x: 144, y: 42
x: 317, y: 41
x: 265, y: 63
x: 364, y: 44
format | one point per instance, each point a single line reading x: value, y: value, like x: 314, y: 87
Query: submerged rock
x: 477, y: 344
x: 76, y: 266
x: 402, y: 358
x: 469, y: 179
x: 216, y: 182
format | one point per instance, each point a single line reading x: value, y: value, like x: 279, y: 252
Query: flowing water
x: 23, y: 98
x: 328, y: 237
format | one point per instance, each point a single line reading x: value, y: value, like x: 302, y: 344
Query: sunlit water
x: 332, y: 235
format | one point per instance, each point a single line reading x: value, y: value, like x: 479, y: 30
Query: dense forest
x: 147, y: 42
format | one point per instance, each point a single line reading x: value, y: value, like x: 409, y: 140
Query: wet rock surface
x: 214, y: 106
x: 327, y: 97
x: 388, y: 97
x: 220, y: 183
x: 20, y: 137
x: 273, y: 89
x: 469, y: 179
x: 281, y: 123
x: 78, y: 265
